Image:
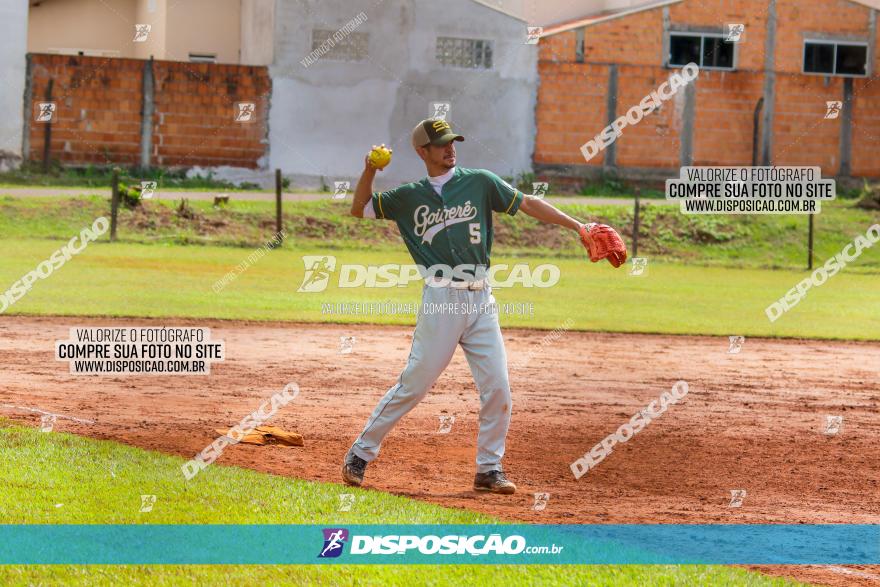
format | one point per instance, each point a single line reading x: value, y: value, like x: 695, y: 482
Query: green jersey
x: 452, y: 229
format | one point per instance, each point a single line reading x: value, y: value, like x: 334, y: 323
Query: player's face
x: 437, y: 156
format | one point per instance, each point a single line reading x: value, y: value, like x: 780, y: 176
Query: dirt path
x: 752, y: 421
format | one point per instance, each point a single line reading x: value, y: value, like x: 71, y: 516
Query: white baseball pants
x: 436, y: 335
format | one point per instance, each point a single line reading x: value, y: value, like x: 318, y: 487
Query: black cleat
x: 353, y: 469
x: 494, y: 481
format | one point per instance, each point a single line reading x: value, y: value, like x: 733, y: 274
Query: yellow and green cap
x: 435, y: 131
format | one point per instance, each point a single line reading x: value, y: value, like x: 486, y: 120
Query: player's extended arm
x: 547, y: 213
x: 601, y: 241
x: 364, y: 190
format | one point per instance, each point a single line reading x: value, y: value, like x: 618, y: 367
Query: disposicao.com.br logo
x: 453, y: 544
x: 320, y: 268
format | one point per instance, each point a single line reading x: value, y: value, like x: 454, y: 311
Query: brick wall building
x: 146, y: 113
x: 752, y: 98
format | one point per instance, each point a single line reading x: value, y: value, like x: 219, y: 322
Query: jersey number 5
x: 475, y: 232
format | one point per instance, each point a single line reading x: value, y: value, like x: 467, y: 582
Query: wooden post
x: 810, y: 245
x: 114, y: 203
x: 635, y: 252
x: 47, y: 132
x: 278, y: 226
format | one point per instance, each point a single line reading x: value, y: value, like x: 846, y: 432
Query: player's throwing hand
x: 378, y: 158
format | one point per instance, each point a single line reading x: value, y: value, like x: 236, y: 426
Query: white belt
x: 471, y: 285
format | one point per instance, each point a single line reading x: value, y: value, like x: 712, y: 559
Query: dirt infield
x: 752, y: 421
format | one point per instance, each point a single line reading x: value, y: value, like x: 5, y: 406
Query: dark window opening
x: 819, y: 58
x: 831, y: 58
x: 684, y: 50
x: 717, y: 53
x: 709, y: 51
x: 852, y: 59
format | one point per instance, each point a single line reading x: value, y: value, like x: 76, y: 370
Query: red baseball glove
x: 603, y: 242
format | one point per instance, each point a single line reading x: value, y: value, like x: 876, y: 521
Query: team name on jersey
x: 428, y: 224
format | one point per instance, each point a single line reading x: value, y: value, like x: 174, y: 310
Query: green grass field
x: 706, y: 275
x: 170, y: 280
x: 100, y: 482
x: 761, y: 241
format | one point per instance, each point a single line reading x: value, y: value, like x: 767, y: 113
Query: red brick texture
x: 572, y: 96
x: 99, y: 111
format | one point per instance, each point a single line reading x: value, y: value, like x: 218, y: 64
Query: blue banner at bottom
x: 520, y: 544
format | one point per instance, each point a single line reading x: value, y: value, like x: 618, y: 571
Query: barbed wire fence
x: 127, y: 189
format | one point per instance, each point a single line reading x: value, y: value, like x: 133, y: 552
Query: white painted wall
x: 257, y: 26
x: 13, y: 48
x: 324, y: 117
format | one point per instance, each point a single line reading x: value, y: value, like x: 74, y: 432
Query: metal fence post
x: 114, y: 204
x: 47, y: 133
x: 636, y: 225
x: 278, y: 223
x: 810, y: 245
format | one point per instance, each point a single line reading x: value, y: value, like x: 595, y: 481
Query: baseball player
x: 445, y: 220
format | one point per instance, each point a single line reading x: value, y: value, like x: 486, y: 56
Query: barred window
x: 469, y: 53
x: 334, y: 45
